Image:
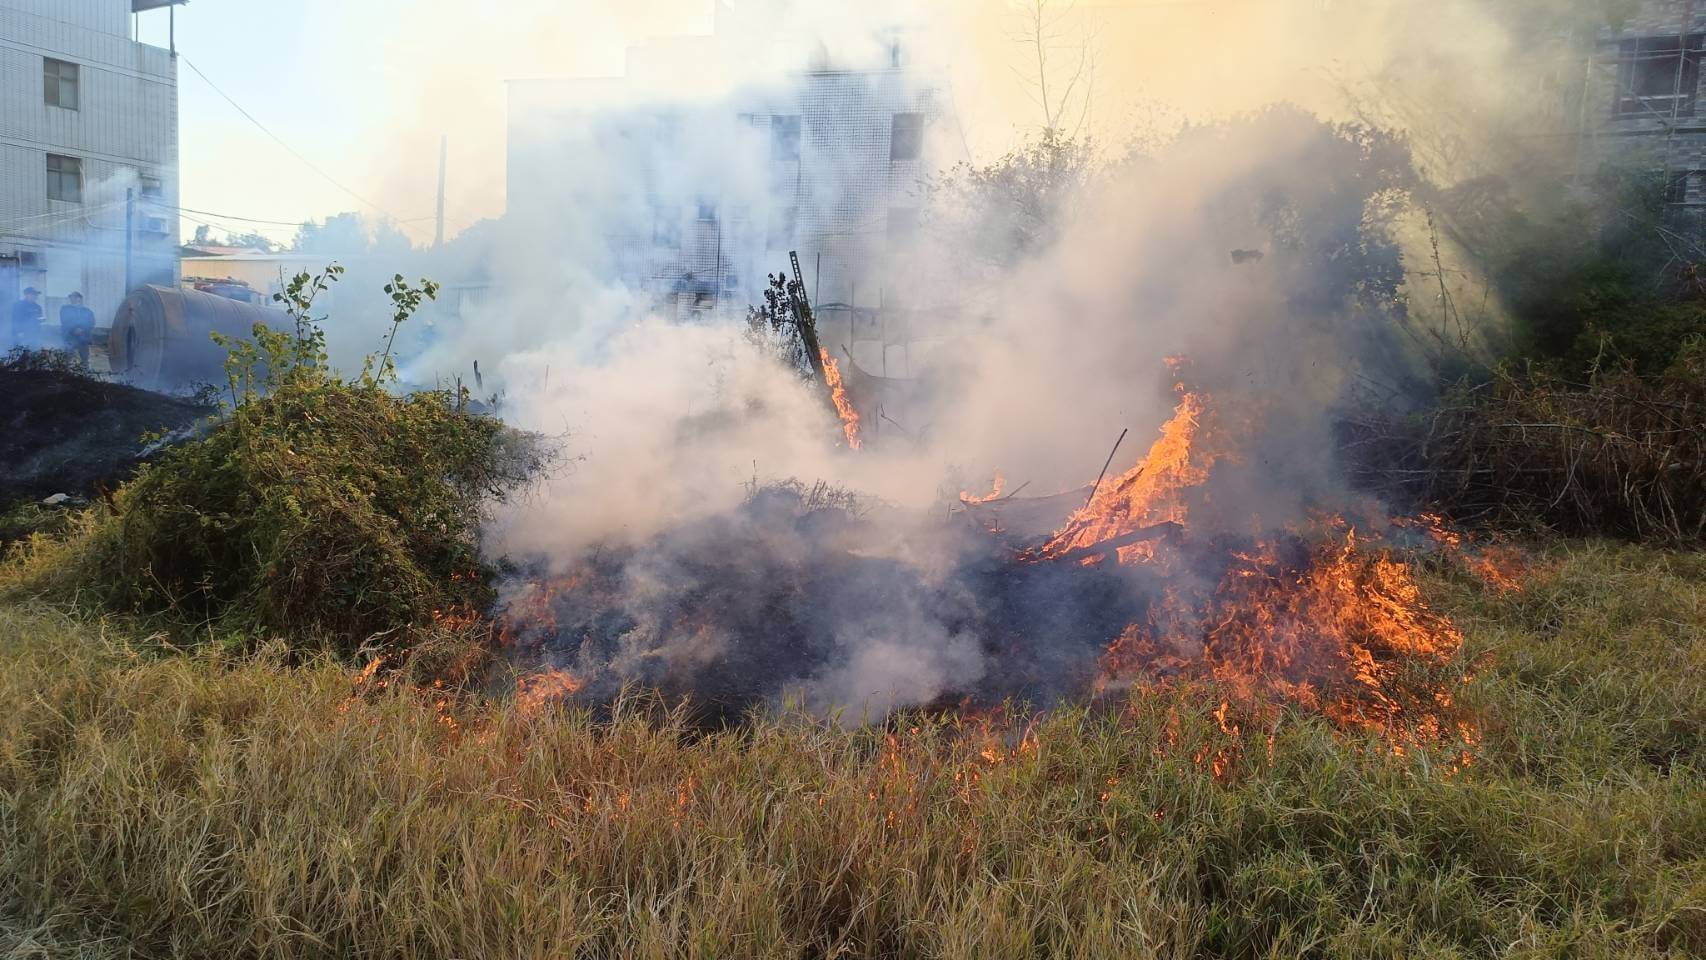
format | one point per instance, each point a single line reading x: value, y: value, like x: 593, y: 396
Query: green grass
x: 160, y: 804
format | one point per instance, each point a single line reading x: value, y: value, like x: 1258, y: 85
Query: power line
x: 29, y: 222
x: 186, y: 211
x: 274, y: 223
x: 280, y: 140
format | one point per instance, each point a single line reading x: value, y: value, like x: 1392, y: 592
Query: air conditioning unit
x: 155, y: 225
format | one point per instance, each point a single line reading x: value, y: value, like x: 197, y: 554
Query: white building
x: 88, y: 141
x: 694, y: 200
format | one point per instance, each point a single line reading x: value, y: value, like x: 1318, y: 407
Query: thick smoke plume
x: 1264, y: 248
x: 724, y: 589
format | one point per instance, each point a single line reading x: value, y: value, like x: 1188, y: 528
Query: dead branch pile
x: 1618, y: 456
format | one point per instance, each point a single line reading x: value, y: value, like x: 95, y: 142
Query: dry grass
x: 1617, y: 456
x: 162, y: 805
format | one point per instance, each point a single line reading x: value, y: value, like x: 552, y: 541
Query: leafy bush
x: 320, y: 507
x: 1593, y: 274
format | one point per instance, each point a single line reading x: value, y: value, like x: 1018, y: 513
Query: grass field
x: 161, y: 804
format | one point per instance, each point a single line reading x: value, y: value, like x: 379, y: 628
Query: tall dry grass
x: 195, y: 806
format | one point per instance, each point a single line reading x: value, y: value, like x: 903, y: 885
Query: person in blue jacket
x: 26, y: 321
x: 77, y: 325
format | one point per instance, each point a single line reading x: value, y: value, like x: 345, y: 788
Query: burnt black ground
x: 735, y: 610
x: 63, y: 432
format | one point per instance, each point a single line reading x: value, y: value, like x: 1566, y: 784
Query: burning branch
x: 838, y: 396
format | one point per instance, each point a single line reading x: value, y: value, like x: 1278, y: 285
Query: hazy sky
x: 365, y: 88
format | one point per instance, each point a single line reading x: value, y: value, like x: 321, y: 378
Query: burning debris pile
x: 1231, y: 555
x: 806, y: 592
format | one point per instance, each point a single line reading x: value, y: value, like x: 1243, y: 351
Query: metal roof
x: 138, y: 6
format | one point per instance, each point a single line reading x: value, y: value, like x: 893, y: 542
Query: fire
x: 994, y: 495
x: 535, y: 691
x: 1345, y: 632
x: 458, y: 617
x: 1502, y: 568
x: 843, y: 406
x: 1148, y: 494
x: 1318, y: 617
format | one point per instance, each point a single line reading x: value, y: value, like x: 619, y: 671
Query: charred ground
x: 68, y: 432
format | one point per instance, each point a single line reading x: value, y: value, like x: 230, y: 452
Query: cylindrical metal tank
x: 162, y: 336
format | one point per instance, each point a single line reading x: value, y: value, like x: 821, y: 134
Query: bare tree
x: 1062, y: 47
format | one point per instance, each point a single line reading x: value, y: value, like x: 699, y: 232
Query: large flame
x: 1316, y: 617
x: 1150, y: 493
x: 843, y: 406
x: 1336, y: 628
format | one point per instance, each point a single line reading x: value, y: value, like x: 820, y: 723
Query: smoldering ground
x: 1264, y: 248
x: 665, y: 557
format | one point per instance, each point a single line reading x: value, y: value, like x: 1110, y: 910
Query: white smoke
x: 1039, y: 364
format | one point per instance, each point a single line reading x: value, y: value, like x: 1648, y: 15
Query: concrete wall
x: 124, y: 129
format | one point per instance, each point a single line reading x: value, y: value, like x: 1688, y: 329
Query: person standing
x: 77, y: 325
x: 26, y: 321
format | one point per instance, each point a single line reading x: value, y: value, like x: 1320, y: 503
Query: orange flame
x: 1314, y: 618
x: 535, y: 691
x: 1503, y: 569
x: 1147, y: 494
x: 994, y: 495
x: 843, y: 406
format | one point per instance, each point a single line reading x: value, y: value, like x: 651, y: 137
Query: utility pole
x: 129, y: 234
x: 443, y: 162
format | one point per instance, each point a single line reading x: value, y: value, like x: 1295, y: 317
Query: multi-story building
x: 1648, y: 77
x: 88, y: 153
x: 692, y: 202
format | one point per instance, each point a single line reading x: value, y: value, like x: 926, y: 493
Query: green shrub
x: 319, y: 508
x: 1590, y: 272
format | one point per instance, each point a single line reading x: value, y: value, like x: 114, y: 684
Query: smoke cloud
x: 1265, y: 249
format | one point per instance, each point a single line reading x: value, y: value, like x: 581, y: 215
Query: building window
x: 152, y: 188
x: 903, y: 225
x: 1659, y: 77
x: 59, y: 83
x: 707, y: 211
x: 781, y: 233
x: 784, y: 138
x: 906, y: 139
x: 64, y: 178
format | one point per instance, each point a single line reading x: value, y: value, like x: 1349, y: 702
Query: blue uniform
x: 77, y: 325
x: 26, y: 325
